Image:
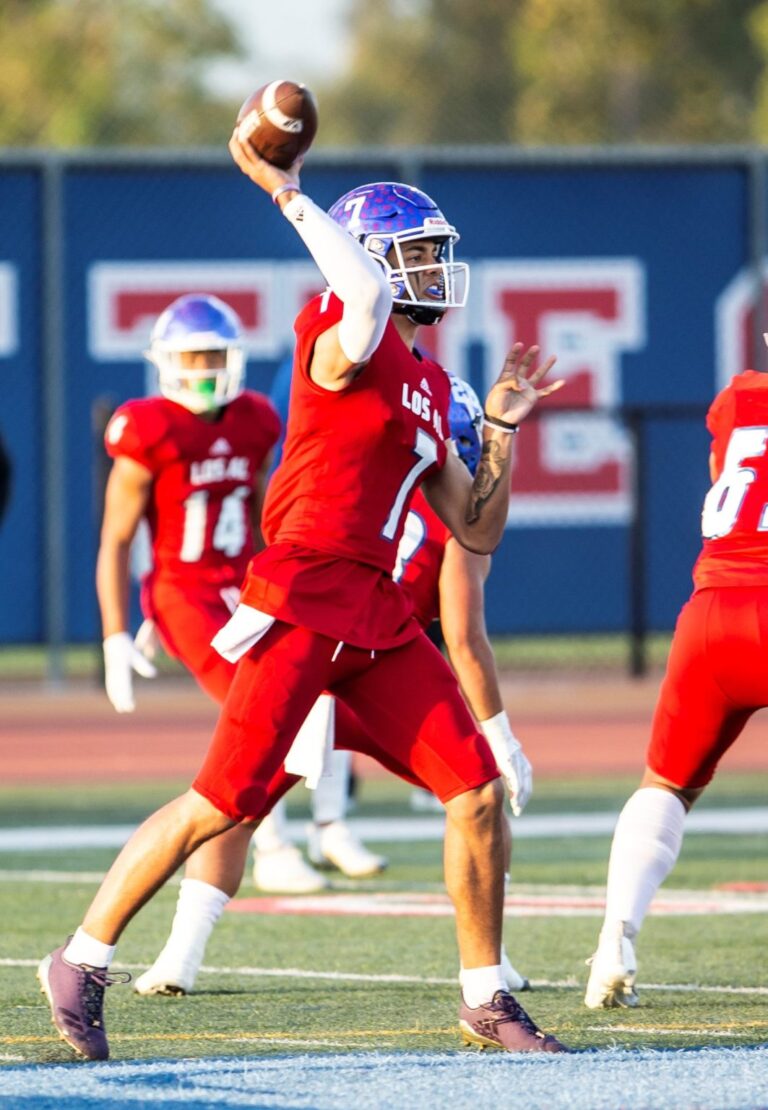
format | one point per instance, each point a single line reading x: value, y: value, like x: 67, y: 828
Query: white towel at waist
x: 244, y: 628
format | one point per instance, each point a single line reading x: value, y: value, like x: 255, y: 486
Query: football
x: 279, y: 120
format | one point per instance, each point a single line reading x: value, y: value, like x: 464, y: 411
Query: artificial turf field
x: 357, y: 1006
x: 359, y: 1009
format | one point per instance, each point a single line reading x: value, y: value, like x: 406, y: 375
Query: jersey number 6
x: 723, y: 503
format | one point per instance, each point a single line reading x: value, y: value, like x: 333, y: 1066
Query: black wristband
x: 493, y: 422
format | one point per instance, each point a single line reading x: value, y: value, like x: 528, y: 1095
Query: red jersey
x: 735, y: 516
x: 420, y: 559
x: 199, y: 511
x: 337, y: 504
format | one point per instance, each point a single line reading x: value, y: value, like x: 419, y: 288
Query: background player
x: 716, y: 679
x: 319, y: 610
x: 193, y: 462
x: 438, y: 574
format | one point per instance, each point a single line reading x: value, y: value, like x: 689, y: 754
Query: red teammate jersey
x: 735, y: 517
x: 336, y: 505
x: 199, y: 511
x: 420, y: 559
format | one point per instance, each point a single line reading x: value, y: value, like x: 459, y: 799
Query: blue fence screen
x: 639, y: 275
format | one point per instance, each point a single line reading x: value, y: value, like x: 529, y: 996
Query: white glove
x: 121, y: 657
x: 511, y: 761
x: 147, y: 641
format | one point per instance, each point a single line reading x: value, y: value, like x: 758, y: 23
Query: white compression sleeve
x: 353, y: 276
x: 646, y: 844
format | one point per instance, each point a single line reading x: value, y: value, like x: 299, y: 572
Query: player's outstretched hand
x: 261, y: 172
x: 516, y: 391
x: 121, y: 659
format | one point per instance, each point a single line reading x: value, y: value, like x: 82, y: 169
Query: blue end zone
x: 594, y: 1080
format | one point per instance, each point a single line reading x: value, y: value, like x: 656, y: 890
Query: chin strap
x: 420, y: 314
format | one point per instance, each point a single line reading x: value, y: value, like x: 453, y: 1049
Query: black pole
x: 638, y: 628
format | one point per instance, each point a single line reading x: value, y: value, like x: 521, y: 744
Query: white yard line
x: 744, y: 820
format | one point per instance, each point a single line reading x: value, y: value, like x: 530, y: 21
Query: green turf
x: 237, y: 1014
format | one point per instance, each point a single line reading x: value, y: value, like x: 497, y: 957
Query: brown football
x: 279, y: 120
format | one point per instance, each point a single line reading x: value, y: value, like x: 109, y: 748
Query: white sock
x: 198, y: 908
x: 329, y: 798
x: 506, y: 965
x: 479, y: 984
x: 646, y: 844
x: 272, y: 833
x: 84, y: 949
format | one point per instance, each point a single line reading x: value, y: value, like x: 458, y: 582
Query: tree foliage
x: 99, y: 72
x: 552, y: 71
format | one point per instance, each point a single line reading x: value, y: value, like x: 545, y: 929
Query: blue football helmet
x: 198, y: 322
x: 465, y: 419
x: 385, y: 215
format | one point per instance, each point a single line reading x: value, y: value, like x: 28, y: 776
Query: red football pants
x: 407, y: 698
x: 717, y: 676
x: 186, y: 625
x: 186, y: 630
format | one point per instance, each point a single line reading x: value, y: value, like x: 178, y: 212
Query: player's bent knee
x: 478, y: 804
x: 204, y: 815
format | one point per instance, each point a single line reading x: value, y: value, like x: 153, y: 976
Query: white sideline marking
x: 527, y: 900
x: 748, y: 819
x: 426, y: 980
x: 541, y: 903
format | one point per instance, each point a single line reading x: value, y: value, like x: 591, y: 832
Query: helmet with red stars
x: 384, y: 217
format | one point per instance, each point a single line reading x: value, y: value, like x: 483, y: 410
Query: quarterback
x: 319, y: 610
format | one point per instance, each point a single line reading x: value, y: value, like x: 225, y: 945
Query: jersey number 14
x: 230, y: 530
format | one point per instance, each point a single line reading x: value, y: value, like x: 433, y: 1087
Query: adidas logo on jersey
x: 424, y: 386
x: 220, y: 447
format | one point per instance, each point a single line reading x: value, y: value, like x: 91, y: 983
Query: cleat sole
x: 473, y: 1039
x: 167, y: 990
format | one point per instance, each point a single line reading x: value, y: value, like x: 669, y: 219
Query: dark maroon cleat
x: 503, y: 1023
x: 75, y: 993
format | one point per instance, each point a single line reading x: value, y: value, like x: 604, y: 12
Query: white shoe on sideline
x: 335, y: 845
x: 285, y: 871
x: 168, y: 976
x: 613, y: 970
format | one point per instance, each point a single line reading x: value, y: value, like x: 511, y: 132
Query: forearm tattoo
x: 489, y: 473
